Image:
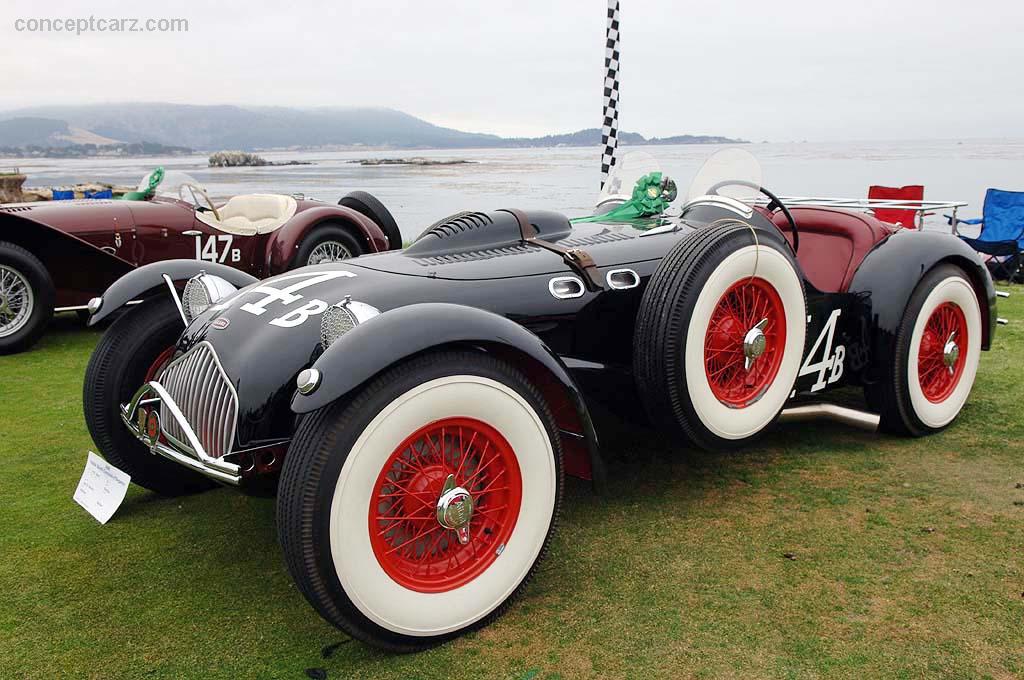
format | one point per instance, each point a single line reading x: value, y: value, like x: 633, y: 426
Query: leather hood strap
x: 578, y: 259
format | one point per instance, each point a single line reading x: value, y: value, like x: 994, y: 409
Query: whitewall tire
x: 360, y: 490
x: 938, y: 348
x: 720, y: 335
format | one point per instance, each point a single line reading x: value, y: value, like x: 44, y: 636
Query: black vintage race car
x: 416, y: 410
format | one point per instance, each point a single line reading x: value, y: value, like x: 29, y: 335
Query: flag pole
x: 610, y: 126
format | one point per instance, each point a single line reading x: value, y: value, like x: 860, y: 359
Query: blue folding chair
x: 1002, y: 232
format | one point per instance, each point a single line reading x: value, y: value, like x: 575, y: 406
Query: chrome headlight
x: 343, y: 317
x: 201, y: 292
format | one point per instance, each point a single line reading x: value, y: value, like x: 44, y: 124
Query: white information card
x: 102, y: 488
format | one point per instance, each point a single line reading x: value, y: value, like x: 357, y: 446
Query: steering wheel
x: 202, y: 192
x: 773, y: 204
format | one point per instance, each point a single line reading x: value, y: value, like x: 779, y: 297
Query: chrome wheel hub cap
x: 329, y: 251
x: 16, y: 301
x: 754, y: 344
x: 950, y: 352
x: 455, y: 509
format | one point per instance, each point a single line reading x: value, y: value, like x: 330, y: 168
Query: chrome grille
x: 206, y: 397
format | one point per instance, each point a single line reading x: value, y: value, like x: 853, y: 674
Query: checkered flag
x: 610, y: 127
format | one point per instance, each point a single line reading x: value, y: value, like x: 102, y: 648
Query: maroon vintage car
x: 55, y: 257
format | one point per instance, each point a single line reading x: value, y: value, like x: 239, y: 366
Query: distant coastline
x: 154, y: 150
x: 118, y: 150
x: 140, y: 130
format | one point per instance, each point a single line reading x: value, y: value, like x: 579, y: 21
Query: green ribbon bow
x: 155, y: 178
x: 648, y: 199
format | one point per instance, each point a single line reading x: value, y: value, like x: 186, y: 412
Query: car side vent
x: 472, y: 255
x: 594, y: 239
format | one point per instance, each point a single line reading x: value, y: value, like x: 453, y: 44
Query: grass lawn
x: 907, y: 557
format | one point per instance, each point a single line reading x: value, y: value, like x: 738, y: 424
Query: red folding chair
x: 906, y: 218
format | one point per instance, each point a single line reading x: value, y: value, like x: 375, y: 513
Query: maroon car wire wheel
x: 943, y: 343
x: 739, y: 370
x: 409, y: 542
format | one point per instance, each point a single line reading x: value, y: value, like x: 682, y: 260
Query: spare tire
x: 720, y: 334
x: 366, y: 204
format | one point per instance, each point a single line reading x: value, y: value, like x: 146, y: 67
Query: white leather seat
x: 251, y: 214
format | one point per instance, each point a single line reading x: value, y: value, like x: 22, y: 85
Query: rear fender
x: 283, y: 243
x: 886, y: 279
x: 402, y: 333
x: 77, y: 268
x: 149, y: 279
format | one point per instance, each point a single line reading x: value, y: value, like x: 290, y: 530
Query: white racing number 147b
x: 217, y: 248
x: 830, y: 368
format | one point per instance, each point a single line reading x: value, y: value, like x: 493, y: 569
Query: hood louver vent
x: 16, y: 208
x: 491, y: 233
x: 466, y: 232
x: 458, y: 223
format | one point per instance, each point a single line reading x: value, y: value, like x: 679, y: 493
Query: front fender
x: 402, y: 333
x: 79, y: 269
x: 886, y: 279
x: 283, y: 243
x: 135, y: 284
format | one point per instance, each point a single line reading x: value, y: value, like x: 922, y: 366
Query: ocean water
x: 567, y: 179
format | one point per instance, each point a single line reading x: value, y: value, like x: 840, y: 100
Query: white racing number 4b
x: 286, y: 297
x: 830, y: 368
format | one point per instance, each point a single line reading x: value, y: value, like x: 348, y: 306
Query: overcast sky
x: 780, y: 70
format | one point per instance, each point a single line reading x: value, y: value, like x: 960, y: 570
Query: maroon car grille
x: 198, y: 385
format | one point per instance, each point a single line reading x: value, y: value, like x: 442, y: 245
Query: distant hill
x: 26, y: 131
x: 250, y: 128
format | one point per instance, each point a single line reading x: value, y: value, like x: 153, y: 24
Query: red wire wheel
x: 412, y: 547
x: 935, y: 377
x: 745, y: 304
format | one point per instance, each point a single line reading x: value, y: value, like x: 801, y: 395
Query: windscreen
x: 624, y: 176
x: 171, y: 183
x: 734, y: 173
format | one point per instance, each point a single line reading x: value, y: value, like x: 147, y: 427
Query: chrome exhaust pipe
x: 848, y: 416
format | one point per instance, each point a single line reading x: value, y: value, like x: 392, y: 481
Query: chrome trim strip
x: 738, y: 207
x: 177, y: 300
x: 854, y: 418
x: 663, y: 229
x: 865, y: 203
x: 199, y: 460
x: 86, y: 308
